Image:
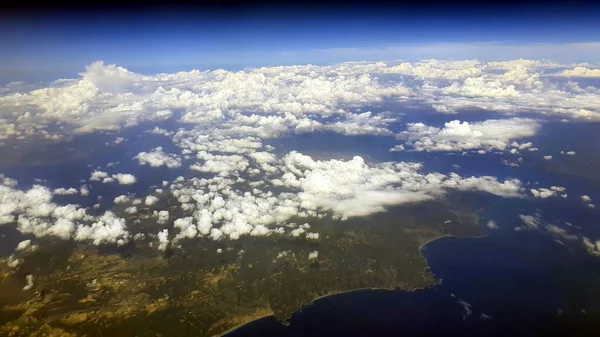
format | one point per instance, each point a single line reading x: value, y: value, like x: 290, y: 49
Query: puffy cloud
x: 312, y: 236
x: 163, y: 239
x: 162, y: 216
x: 480, y: 86
x: 124, y: 178
x: 492, y: 224
x: 220, y: 163
x: 199, y: 140
x: 150, y: 200
x: 361, y: 124
x: 107, y: 229
x: 64, y: 191
x: 98, y: 176
x: 24, y: 245
x: 370, y: 202
x: 121, y: 199
x: 580, y: 72
x: 84, y: 191
x: 35, y: 213
x: 131, y: 210
x: 547, y: 157
x: 110, y: 78
x: 592, y: 247
x: 587, y: 201
x: 265, y: 161
x: 186, y: 228
x: 298, y: 231
x: 9, y: 182
x: 546, y: 193
x: 119, y: 140
x: 13, y: 262
x: 493, y: 134
x: 158, y: 158
x: 260, y: 230
x: 161, y: 131
x: 352, y: 188
x: 29, y: 280
x: 509, y: 188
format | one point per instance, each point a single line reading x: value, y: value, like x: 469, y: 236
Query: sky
x: 51, y: 42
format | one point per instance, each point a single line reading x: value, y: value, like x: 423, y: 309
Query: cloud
x: 64, y: 191
x: 361, y: 124
x: 260, y: 230
x: 150, y: 200
x: 34, y: 212
x: 546, y: 193
x: 587, y: 201
x: 29, y: 285
x: 220, y: 163
x: 297, y: 232
x: 158, y: 158
x: 198, y: 141
x: 163, y: 239
x: 592, y: 247
x: 131, y: 210
x: 162, y: 216
x: 352, y: 188
x: 98, y: 176
x: 312, y: 236
x: 369, y: 202
x: 509, y: 188
x: 110, y: 78
x: 121, y: 199
x: 271, y: 101
x: 161, y: 131
x: 493, y: 134
x: 107, y: 229
x: 537, y: 223
x: 125, y: 178
x: 492, y: 224
x: 580, y: 72
x: 24, y: 245
x: 84, y: 191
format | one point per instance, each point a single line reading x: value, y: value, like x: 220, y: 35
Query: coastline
x: 421, y: 246
x: 241, y: 325
x: 313, y: 302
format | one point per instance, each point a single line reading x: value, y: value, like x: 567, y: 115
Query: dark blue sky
x: 207, y: 37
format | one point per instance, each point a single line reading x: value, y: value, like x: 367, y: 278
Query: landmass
x: 207, y: 288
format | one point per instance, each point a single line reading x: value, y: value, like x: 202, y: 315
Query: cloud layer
x: 275, y: 100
